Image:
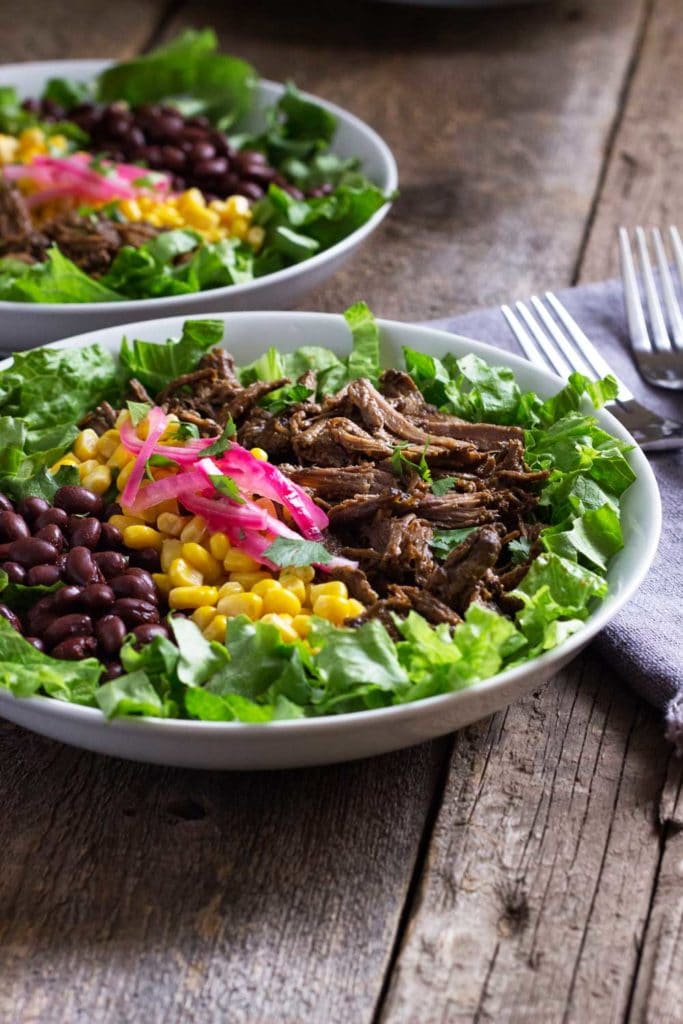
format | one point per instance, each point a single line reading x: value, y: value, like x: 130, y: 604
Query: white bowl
x: 25, y: 324
x: 287, y: 744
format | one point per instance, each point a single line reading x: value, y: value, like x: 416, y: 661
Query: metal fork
x: 546, y: 344
x: 660, y: 355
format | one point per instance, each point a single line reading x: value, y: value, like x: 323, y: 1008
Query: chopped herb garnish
x: 162, y: 461
x: 105, y: 170
x: 444, y: 485
x: 286, y: 551
x: 186, y: 431
x: 443, y: 541
x: 138, y: 411
x: 226, y: 485
x: 222, y: 443
x: 520, y: 550
x: 400, y: 464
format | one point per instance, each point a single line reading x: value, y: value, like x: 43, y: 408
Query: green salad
x: 308, y: 534
x: 151, y: 181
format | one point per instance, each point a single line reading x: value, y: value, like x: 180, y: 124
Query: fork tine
x: 588, y: 349
x: 659, y: 332
x: 640, y: 339
x: 670, y: 300
x: 571, y: 354
x: 678, y: 250
x: 526, y: 342
x: 551, y: 353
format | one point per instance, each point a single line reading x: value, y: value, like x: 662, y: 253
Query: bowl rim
x: 598, y: 619
x: 134, y: 306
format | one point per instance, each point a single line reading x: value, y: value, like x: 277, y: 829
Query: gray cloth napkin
x: 645, y: 641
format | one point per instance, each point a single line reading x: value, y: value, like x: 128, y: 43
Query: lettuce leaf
x: 155, y: 365
x: 24, y: 671
x: 57, y: 279
x: 188, y: 73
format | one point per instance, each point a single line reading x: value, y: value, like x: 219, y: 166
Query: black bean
x: 247, y: 158
x: 12, y: 526
x: 4, y: 550
x: 199, y: 121
x: 13, y: 619
x: 211, y: 168
x: 97, y: 598
x: 30, y: 508
x: 75, y: 648
x: 110, y: 563
x: 5, y: 503
x: 134, y: 586
x: 136, y: 570
x: 193, y: 133
x: 146, y: 558
x: 84, y: 531
x: 110, y: 537
x: 52, y: 515
x: 250, y: 189
x: 113, y: 669
x: 110, y: 631
x: 30, y: 551
x: 15, y: 572
x: 112, y: 509
x: 81, y: 568
x: 202, y: 151
x: 135, y: 612
x: 42, y: 575
x: 135, y: 138
x: 36, y: 642
x: 173, y: 158
x: 53, y: 535
x: 67, y: 625
x: 75, y: 499
x: 146, y: 633
x: 168, y: 126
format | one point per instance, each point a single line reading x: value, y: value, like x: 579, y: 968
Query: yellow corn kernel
x: 334, y: 588
x: 120, y: 457
x: 216, y: 629
x: 66, y: 460
x: 182, y: 574
x: 122, y: 478
x: 130, y: 209
x: 239, y: 228
x: 219, y: 545
x: 302, y: 624
x: 304, y: 572
x: 248, y: 579
x: 170, y: 550
x: 256, y: 236
x: 263, y: 586
x: 138, y: 537
x: 171, y: 524
x: 281, y: 601
x: 250, y: 605
x: 108, y: 443
x: 203, y: 220
x: 123, y: 522
x: 87, y: 467
x: 85, y: 445
x: 231, y: 587
x: 296, y: 585
x: 202, y: 616
x: 259, y: 453
x: 98, y: 481
x: 148, y: 515
x: 236, y: 206
x: 354, y: 608
x: 162, y: 581
x: 8, y: 149
x: 194, y: 531
x: 191, y: 199
x: 236, y: 561
x: 331, y: 607
x: 192, y: 596
x: 122, y: 418
x: 284, y: 627
x: 202, y: 560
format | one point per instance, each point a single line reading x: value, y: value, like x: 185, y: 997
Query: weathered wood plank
x: 542, y: 862
x: 498, y: 123
x: 129, y: 891
x: 47, y: 31
x: 537, y: 909
x: 643, y: 181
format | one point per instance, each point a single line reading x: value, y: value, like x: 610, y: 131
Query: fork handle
x: 665, y: 435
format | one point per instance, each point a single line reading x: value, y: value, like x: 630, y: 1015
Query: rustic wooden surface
x: 527, y: 869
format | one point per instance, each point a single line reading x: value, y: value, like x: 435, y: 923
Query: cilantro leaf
x: 222, y: 443
x: 286, y: 551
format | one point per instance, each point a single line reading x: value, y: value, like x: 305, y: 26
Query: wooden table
x: 526, y: 869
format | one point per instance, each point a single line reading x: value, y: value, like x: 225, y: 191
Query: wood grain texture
x: 130, y: 892
x: 45, y: 30
x: 542, y: 862
x: 498, y: 122
x: 643, y: 180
